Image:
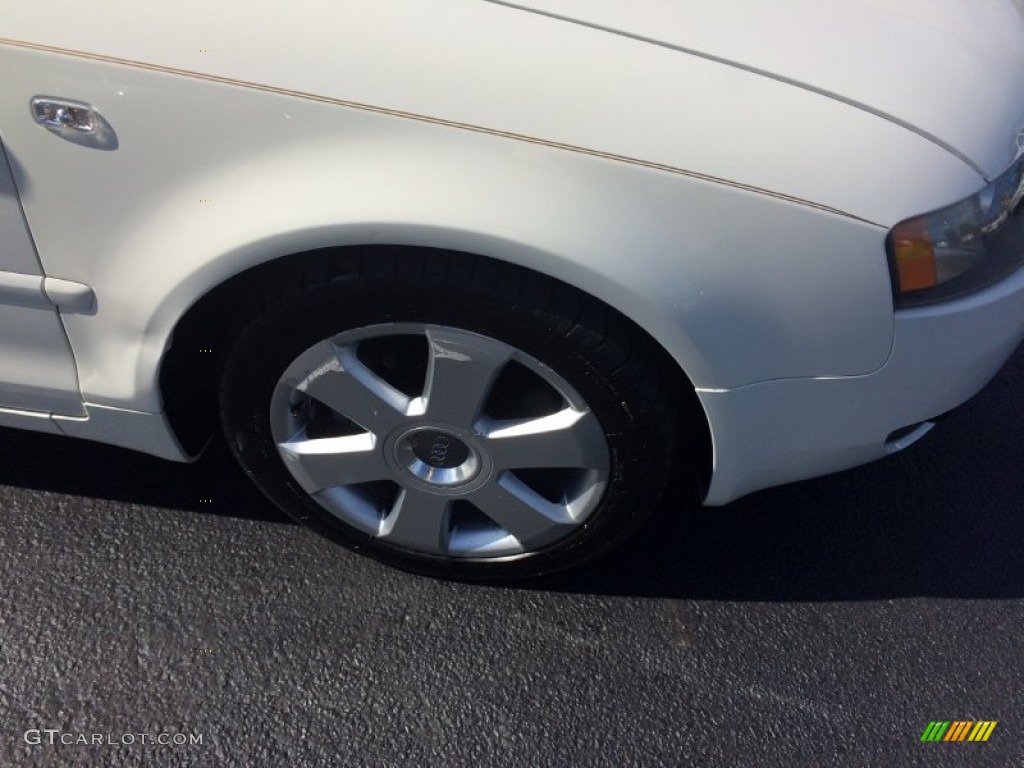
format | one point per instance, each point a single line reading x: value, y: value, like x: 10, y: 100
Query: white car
x: 467, y: 284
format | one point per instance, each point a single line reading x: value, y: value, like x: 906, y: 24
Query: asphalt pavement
x: 823, y: 623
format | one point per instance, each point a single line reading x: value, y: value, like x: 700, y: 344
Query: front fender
x: 739, y: 286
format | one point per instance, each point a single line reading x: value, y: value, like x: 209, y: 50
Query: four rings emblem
x: 439, y: 450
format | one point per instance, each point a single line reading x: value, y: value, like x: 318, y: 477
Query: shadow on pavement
x: 945, y: 518
x: 82, y: 468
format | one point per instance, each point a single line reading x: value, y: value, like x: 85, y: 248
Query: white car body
x: 725, y: 174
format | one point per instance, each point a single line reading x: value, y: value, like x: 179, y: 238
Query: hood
x: 949, y: 70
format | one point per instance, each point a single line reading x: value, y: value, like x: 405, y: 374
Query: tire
x: 448, y: 414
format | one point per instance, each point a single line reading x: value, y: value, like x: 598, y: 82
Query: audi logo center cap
x: 439, y: 449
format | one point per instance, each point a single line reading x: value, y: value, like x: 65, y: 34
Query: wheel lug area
x: 439, y: 456
x: 439, y: 449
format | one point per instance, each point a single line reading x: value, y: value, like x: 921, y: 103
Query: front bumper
x: 785, y: 430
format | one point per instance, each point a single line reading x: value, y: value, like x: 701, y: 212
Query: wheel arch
x: 190, y: 368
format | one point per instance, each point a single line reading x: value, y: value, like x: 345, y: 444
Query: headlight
x: 960, y: 248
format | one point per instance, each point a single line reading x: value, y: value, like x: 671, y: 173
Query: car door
x: 37, y: 368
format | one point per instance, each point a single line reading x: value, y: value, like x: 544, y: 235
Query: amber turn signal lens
x: 915, y: 257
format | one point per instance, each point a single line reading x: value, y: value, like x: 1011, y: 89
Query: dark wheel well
x: 190, y: 370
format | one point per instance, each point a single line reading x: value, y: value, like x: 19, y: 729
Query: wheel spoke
x: 329, y: 461
x: 460, y: 374
x: 418, y: 520
x: 569, y: 438
x: 344, y: 384
x: 522, y: 512
x: 350, y: 505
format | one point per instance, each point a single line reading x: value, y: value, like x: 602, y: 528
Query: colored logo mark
x: 959, y: 730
